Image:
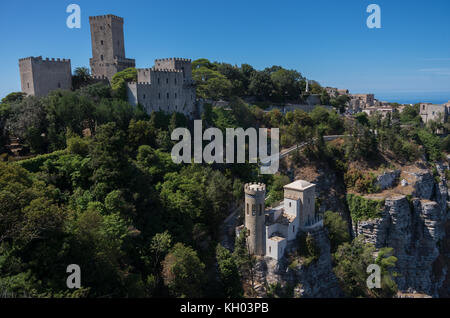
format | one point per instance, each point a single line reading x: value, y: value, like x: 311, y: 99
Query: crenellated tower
x: 108, y: 46
x: 255, y: 194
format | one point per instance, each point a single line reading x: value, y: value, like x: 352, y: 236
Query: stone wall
x: 40, y: 76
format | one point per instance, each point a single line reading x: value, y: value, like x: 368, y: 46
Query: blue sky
x: 326, y: 40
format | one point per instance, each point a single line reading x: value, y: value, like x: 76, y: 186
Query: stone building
x: 168, y: 87
x: 430, y: 111
x: 270, y: 230
x: 108, y: 46
x: 40, y: 76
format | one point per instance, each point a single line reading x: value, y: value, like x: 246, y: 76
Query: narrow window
x: 28, y: 84
x: 167, y: 81
x: 101, y: 57
x: 158, y: 81
x: 253, y: 209
x: 290, y: 204
x: 270, y: 249
x: 175, y: 81
x: 59, y: 85
x: 293, y: 229
x: 144, y: 96
x: 167, y: 95
x: 101, y: 42
x: 175, y: 95
x: 248, y: 210
x: 260, y: 209
x: 159, y: 95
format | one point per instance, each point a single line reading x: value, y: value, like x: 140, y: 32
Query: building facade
x: 430, y: 111
x: 168, y: 87
x: 108, y: 46
x: 40, y: 76
x: 270, y: 230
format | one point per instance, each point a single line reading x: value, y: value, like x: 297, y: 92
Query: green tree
x: 228, y: 273
x: 337, y: 229
x: 183, y: 272
x: 119, y: 80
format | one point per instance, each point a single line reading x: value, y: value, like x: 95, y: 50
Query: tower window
x: 290, y: 204
x: 260, y: 209
x: 167, y: 81
x: 293, y: 229
x: 159, y: 95
x: 175, y: 95
x: 270, y: 249
x: 175, y: 81
x: 144, y: 96
x: 59, y: 85
x: 101, y: 57
x: 158, y: 81
x: 253, y: 209
x: 167, y: 95
x: 101, y: 42
x: 248, y: 210
x: 28, y: 85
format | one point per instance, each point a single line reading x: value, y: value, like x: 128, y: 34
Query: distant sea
x: 414, y: 97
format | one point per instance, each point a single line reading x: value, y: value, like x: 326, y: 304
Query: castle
x: 270, y: 230
x: 168, y: 86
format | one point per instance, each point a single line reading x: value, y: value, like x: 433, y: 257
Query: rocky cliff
x: 298, y: 279
x: 413, y: 222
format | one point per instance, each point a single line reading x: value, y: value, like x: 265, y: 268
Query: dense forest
x: 94, y: 184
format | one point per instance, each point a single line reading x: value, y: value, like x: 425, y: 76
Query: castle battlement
x: 173, y: 59
x: 165, y: 70
x: 255, y: 188
x: 106, y: 16
x: 46, y: 60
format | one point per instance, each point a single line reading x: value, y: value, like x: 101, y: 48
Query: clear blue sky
x: 326, y: 40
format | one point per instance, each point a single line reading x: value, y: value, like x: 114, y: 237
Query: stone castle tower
x: 39, y: 76
x: 108, y: 46
x: 255, y: 194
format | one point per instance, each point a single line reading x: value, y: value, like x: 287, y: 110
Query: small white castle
x: 270, y: 230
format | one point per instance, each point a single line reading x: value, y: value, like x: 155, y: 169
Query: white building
x: 270, y: 232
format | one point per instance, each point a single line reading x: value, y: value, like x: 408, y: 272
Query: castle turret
x: 108, y: 47
x: 255, y: 194
x: 40, y: 76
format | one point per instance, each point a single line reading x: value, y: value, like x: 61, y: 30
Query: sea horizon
x: 414, y: 97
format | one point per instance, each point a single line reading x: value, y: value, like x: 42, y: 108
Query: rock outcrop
x: 414, y: 226
x: 315, y: 280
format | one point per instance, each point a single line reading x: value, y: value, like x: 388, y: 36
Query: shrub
x: 364, y: 209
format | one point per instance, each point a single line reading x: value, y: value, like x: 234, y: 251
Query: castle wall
x: 181, y: 64
x: 162, y: 90
x: 41, y: 76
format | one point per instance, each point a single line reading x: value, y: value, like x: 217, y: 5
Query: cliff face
x: 414, y: 225
x: 315, y: 280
